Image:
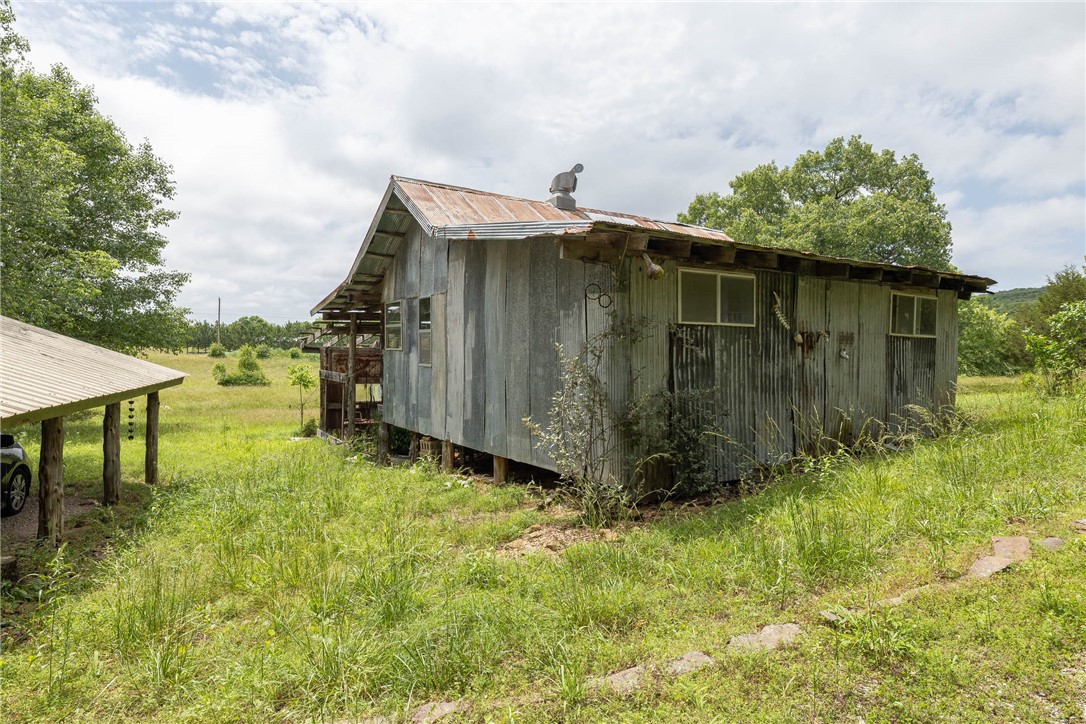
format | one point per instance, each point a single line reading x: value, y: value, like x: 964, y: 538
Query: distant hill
x: 1006, y: 302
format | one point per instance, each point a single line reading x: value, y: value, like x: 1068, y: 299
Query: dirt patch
x: 553, y: 538
x: 24, y: 526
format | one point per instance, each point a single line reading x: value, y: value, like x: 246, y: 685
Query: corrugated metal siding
x: 842, y: 369
x: 874, y: 322
x: 911, y: 377
x: 776, y: 352
x: 946, y: 350
x: 810, y: 401
x: 42, y: 371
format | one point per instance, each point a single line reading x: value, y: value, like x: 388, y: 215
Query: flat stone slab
x: 687, y: 663
x: 622, y: 682
x: 987, y: 566
x: 1014, y: 547
x: 1079, y: 525
x: 1052, y: 543
x: 770, y: 637
x: 435, y: 710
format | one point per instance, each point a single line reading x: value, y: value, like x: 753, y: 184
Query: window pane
x: 902, y: 313
x: 697, y: 297
x: 392, y: 313
x: 392, y: 337
x: 737, y: 300
x: 424, y: 313
x: 424, y: 347
x: 927, y: 313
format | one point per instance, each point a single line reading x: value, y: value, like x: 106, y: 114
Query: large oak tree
x: 847, y: 200
x: 80, y: 214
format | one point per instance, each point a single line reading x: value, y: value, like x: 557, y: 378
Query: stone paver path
x: 770, y: 637
x: 1005, y: 551
x: 687, y: 663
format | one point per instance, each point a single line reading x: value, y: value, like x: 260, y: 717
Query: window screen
x: 425, y: 343
x: 736, y: 300
x: 713, y: 298
x: 393, y: 325
x: 697, y: 297
x: 913, y: 316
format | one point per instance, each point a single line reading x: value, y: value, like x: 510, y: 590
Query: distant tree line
x: 993, y: 342
x: 253, y: 331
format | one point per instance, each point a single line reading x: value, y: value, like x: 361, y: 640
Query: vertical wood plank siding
x: 498, y: 309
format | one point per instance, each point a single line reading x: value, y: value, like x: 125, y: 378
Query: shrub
x: 263, y: 351
x: 309, y: 429
x: 295, y: 353
x: 216, y: 350
x: 1061, y: 354
x: 248, y: 373
x: 989, y: 343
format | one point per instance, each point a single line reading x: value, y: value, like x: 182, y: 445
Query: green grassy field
x: 278, y: 580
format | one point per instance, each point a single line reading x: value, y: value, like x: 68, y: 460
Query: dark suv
x: 14, y: 476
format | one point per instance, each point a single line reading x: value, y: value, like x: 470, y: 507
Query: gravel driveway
x: 24, y: 526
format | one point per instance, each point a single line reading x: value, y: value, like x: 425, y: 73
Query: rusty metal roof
x: 456, y: 212
x: 44, y: 374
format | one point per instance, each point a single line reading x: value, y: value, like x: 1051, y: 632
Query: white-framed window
x: 707, y: 297
x: 394, y: 325
x: 912, y: 315
x: 425, y: 341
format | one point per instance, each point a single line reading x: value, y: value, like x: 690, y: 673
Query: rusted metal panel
x: 874, y: 327
x: 811, y: 324
x: 454, y: 346
x: 474, y: 409
x: 516, y: 322
x: 44, y: 374
x: 841, y: 415
x: 439, y: 371
x: 542, y: 355
x: 775, y: 317
x: 496, y: 308
x: 946, y: 349
x: 911, y: 370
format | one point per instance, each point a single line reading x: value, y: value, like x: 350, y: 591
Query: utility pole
x: 218, y: 324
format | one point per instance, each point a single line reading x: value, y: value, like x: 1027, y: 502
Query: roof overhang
x: 45, y: 375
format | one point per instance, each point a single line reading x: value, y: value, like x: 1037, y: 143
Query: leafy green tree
x: 1066, y: 285
x: 847, y: 200
x: 248, y: 373
x: 1061, y: 353
x: 81, y: 213
x: 989, y: 343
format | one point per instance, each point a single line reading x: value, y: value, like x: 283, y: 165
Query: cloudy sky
x: 284, y: 121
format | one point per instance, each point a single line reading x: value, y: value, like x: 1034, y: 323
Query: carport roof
x: 44, y: 374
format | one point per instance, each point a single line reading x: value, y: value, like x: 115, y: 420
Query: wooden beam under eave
x: 756, y: 259
x: 865, y: 273
x: 677, y: 248
x: 926, y: 279
x: 951, y: 283
x: 713, y: 253
x: 588, y: 251
x: 832, y: 269
x: 391, y: 234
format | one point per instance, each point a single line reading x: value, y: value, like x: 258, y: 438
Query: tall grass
x: 281, y: 580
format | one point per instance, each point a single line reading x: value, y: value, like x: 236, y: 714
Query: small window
x: 394, y: 325
x: 913, y: 316
x: 425, y: 342
x: 716, y: 298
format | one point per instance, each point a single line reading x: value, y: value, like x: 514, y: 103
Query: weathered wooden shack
x: 475, y: 297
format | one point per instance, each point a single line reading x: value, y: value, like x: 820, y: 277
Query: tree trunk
x: 150, y: 459
x: 111, y: 455
x: 51, y: 481
x: 413, y: 447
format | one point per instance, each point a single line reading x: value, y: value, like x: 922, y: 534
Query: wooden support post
x: 51, y: 481
x: 413, y: 447
x: 501, y: 469
x: 383, y: 457
x: 352, y: 385
x: 150, y: 457
x: 111, y: 455
x: 448, y: 462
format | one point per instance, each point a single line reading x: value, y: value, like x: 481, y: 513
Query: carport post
x: 150, y: 459
x: 51, y: 481
x: 111, y: 455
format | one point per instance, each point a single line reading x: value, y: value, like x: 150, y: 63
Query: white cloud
x: 287, y: 120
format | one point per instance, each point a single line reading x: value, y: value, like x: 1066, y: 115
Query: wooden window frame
x: 916, y: 314
x: 398, y: 325
x: 719, y: 275
x: 428, y: 331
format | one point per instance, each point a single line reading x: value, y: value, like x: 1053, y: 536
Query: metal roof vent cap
x: 562, y: 186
